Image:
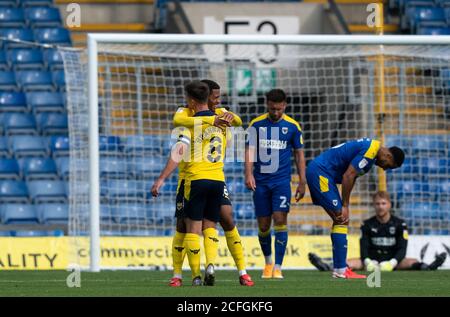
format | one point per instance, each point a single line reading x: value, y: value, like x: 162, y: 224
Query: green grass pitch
x: 154, y: 283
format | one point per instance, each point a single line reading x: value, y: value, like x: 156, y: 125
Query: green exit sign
x: 244, y: 80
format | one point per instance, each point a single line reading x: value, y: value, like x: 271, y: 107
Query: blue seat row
x: 32, y: 80
x: 35, y: 191
x: 46, y: 123
x: 420, y: 144
x: 34, y: 168
x: 36, y: 146
x: 34, y: 17
x: 36, y: 102
x: 56, y: 36
x: 25, y: 3
x: 31, y: 214
x: 30, y: 58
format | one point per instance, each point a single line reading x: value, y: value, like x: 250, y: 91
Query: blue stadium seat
x: 32, y: 80
x: 426, y: 16
x: 402, y: 141
x: 9, y: 169
x: 440, y: 187
x: 53, y: 59
x: 15, y: 123
x: 19, y: 214
x: 420, y: 210
x: 5, y: 233
x: 113, y: 167
x: 13, y: 191
x: 161, y: 211
x: 42, y: 101
x: 4, y: 65
x: 13, y: 101
x: 26, y: 145
x: 236, y: 186
x: 8, y: 81
x: 21, y: 34
x: 38, y: 168
x: 143, y: 144
x: 404, y: 189
x: 244, y: 211
x: 59, y: 36
x: 59, y: 146
x: 8, y: 3
x: 82, y: 189
x: 30, y: 233
x: 429, y: 143
x: 35, y: 3
x: 53, y: 213
x: 47, y: 191
x: 4, y: 149
x: 107, y: 213
x: 41, y: 17
x: 63, y: 167
x: 128, y: 190
x: 110, y: 144
x: 433, y: 30
x: 409, y: 169
x: 12, y: 17
x: 445, y: 79
x: 52, y: 123
x: 234, y: 167
x: 59, y: 79
x: 145, y: 167
x: 434, y: 165
x: 130, y: 214
x: 26, y: 59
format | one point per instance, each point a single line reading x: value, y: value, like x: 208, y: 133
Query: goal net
x: 399, y: 94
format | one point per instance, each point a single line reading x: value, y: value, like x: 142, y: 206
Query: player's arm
x: 348, y: 181
x: 299, y: 156
x: 183, y: 119
x: 249, y: 159
x: 229, y: 116
x: 176, y: 155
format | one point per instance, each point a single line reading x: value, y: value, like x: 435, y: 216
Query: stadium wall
x: 51, y: 253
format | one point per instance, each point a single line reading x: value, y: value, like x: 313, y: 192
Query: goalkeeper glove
x: 388, y: 266
x: 370, y: 265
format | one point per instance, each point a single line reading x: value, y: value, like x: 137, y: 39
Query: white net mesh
x: 399, y: 94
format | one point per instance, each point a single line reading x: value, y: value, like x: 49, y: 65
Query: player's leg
x: 281, y: 198
x: 414, y: 264
x: 211, y: 245
x: 263, y: 210
x: 214, y: 195
x: 194, y: 207
x: 325, y: 193
x: 234, y: 241
x: 318, y: 263
x: 178, y: 250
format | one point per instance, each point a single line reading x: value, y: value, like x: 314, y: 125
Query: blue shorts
x: 323, y: 189
x: 272, y: 197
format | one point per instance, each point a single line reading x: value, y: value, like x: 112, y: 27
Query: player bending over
x: 383, y: 243
x: 342, y: 164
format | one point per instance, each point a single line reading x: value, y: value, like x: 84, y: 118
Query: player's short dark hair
x: 382, y: 194
x: 276, y: 95
x: 197, y: 90
x: 398, y: 155
x: 211, y: 84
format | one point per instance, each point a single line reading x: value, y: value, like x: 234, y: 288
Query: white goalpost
x: 123, y: 90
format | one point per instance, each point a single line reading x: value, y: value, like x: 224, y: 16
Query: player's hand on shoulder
x: 220, y: 122
x: 228, y: 117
